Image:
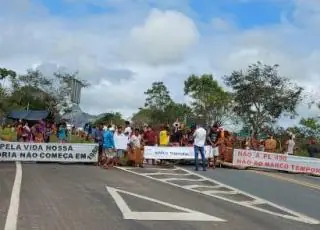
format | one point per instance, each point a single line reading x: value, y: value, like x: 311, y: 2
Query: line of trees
x: 35, y: 91
x: 255, y: 98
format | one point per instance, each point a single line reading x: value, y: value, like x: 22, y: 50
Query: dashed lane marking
x: 218, y: 190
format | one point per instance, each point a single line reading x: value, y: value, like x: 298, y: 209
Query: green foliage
x: 160, y: 108
x: 210, y: 100
x: 110, y: 118
x: 310, y: 127
x: 35, y: 91
x: 143, y: 116
x: 158, y: 97
x: 4, y: 73
x: 261, y: 95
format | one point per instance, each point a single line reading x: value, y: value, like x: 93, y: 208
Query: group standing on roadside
x: 115, y: 143
x: 41, y: 131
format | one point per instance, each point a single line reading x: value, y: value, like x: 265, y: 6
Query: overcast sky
x: 122, y: 46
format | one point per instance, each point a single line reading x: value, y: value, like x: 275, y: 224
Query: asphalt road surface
x: 83, y: 197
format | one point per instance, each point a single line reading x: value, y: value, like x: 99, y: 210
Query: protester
x: 176, y: 136
x: 270, y: 144
x: 313, y: 148
x: 164, y: 136
x: 212, y: 139
x: 136, y: 155
x: 254, y: 142
x: 48, y: 132
x: 128, y: 130
x: 98, y: 138
x: 290, y: 145
x: 62, y: 133
x: 26, y: 133
x: 19, y: 131
x: 200, y: 136
x: 38, y: 133
x: 150, y: 138
x: 121, y: 144
x: 108, y: 148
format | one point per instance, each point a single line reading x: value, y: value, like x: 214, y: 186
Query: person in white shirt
x: 135, y: 139
x: 121, y: 142
x: 135, y: 153
x: 290, y: 145
x: 127, y: 130
x: 200, y: 136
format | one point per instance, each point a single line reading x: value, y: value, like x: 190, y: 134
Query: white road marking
x: 13, y: 212
x: 254, y: 202
x: 292, y: 215
x: 185, y: 214
x: 220, y: 192
x: 157, y: 169
x: 194, y: 186
x: 167, y: 174
x: 183, y: 179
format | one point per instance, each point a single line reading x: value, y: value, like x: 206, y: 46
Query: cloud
x: 122, y: 51
x: 165, y: 37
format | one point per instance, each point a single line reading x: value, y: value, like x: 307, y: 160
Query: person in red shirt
x: 150, y: 138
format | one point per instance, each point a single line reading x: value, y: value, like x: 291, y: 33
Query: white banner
x: 176, y: 152
x: 257, y: 159
x: 50, y: 152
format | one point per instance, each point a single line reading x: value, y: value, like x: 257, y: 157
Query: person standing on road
x: 270, y: 144
x: 108, y: 147
x: 200, y: 136
x: 121, y: 144
x: 98, y: 138
x: 127, y: 130
x: 48, y: 132
x: 150, y: 139
x: 62, y: 133
x: 135, y: 155
x: 290, y: 145
x: 313, y: 148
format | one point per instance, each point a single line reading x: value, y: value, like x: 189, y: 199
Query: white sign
x: 251, y: 158
x: 51, y: 152
x: 175, y: 153
x: 121, y: 141
x: 184, y: 214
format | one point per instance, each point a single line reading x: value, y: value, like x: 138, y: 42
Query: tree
x: 209, y: 100
x: 143, y: 116
x: 4, y: 73
x: 157, y: 100
x: 158, y: 97
x: 35, y: 91
x: 4, y: 92
x: 310, y: 127
x: 178, y: 111
x: 110, y: 118
x: 261, y: 95
x: 160, y: 108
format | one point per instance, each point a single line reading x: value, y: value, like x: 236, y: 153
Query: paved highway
x: 76, y: 197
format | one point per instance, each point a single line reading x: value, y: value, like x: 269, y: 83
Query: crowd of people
x: 134, y: 139
x: 117, y: 142
x: 41, y: 131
